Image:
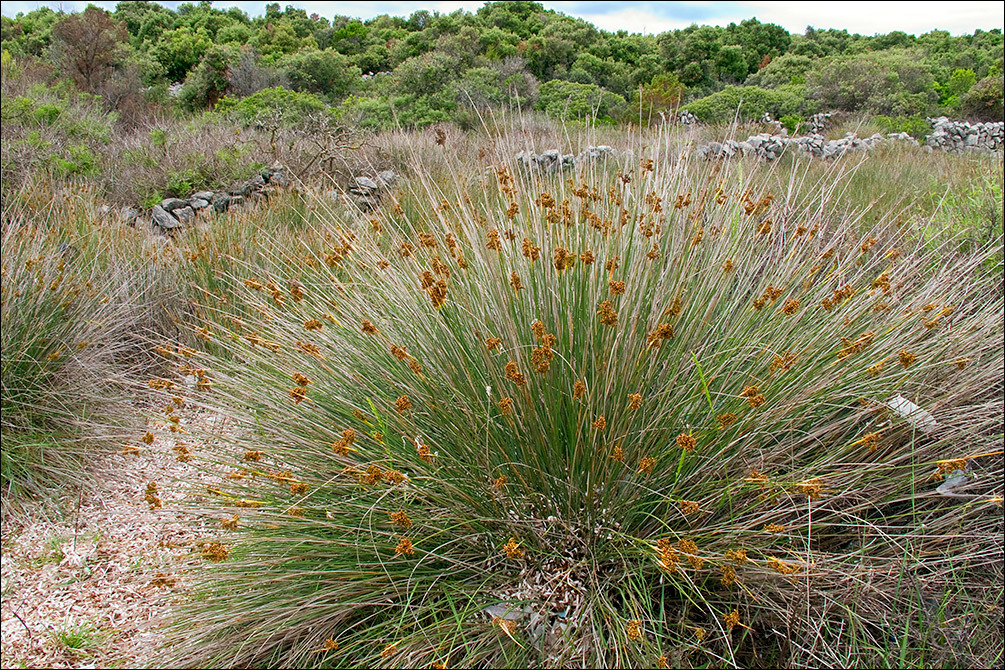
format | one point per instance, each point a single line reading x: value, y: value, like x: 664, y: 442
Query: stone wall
x: 769, y: 147
x: 961, y: 136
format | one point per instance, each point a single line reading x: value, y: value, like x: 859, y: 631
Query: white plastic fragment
x: 507, y: 611
x: 916, y: 416
x: 955, y: 480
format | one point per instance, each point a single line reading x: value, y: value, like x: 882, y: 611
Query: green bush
x: 327, y: 73
x: 750, y: 102
x: 293, y: 107
x: 986, y: 100
x: 573, y: 101
x: 791, y: 122
x: 896, y: 82
x: 917, y: 127
x: 619, y: 426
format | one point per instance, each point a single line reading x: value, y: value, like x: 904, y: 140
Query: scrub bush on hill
x: 751, y: 102
x: 569, y: 100
x: 646, y: 413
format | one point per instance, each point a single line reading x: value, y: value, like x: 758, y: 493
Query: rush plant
x: 653, y: 413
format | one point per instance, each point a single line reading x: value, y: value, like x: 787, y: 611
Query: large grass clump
x: 75, y: 317
x: 655, y: 415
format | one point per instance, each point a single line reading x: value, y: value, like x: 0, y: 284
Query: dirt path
x: 91, y: 587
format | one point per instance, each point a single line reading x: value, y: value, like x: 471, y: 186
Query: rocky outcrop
x: 959, y: 136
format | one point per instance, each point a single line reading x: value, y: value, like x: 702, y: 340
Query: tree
x: 326, y: 73
x: 663, y: 94
x: 87, y: 46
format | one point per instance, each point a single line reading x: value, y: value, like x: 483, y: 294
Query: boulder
x: 162, y: 219
x: 221, y: 202
x: 184, y: 214
x: 198, y: 203
x: 171, y: 204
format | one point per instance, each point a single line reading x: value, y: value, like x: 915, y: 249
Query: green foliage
x: 984, y: 102
x: 917, y: 127
x: 181, y: 183
x: 180, y: 50
x: 571, y: 101
x: 893, y: 74
x: 293, y: 107
x: 791, y: 122
x: 895, y: 83
x: 328, y: 73
x: 80, y: 162
x: 663, y: 94
x: 787, y: 69
x: 750, y: 102
x: 204, y: 85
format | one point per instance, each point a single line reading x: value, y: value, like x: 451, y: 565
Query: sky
x: 866, y: 18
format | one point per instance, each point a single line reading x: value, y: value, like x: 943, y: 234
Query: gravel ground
x: 91, y: 584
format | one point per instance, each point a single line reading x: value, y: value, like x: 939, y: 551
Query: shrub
x: 619, y: 425
x: 293, y: 107
x: 325, y: 73
x: 917, y: 127
x: 894, y: 82
x: 751, y: 102
x: 984, y: 101
x: 791, y: 122
x: 572, y: 101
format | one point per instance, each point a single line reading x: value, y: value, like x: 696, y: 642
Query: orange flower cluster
x: 341, y: 447
x: 686, y: 442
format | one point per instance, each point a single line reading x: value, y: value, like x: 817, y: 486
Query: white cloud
x: 867, y: 18
x: 635, y: 20
x: 870, y: 18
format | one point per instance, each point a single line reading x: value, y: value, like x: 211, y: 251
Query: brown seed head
x: 686, y: 442
x: 512, y: 549
x: 634, y: 401
x: 608, y: 316
x: 514, y: 375
x: 402, y: 404
x: 663, y: 332
x: 404, y: 548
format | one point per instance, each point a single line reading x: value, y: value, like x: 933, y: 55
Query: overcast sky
x: 867, y: 18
